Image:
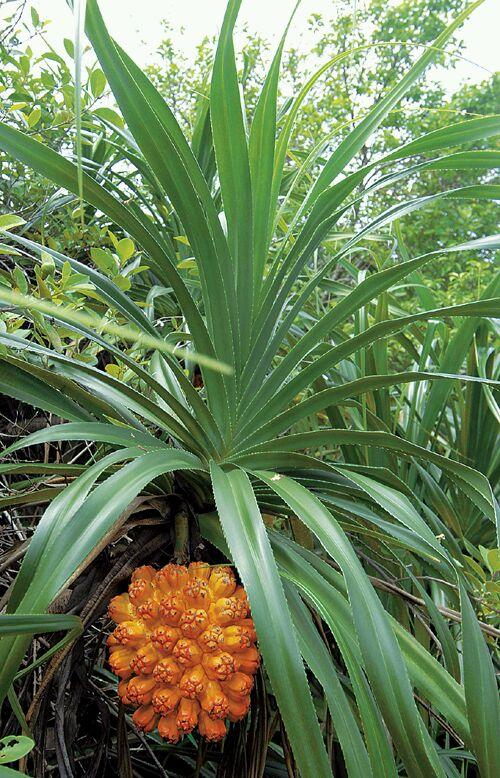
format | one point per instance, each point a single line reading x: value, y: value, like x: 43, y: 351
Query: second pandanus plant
x: 292, y: 424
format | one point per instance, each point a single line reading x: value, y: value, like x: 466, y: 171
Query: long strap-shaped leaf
x: 17, y: 624
x: 231, y: 152
x: 56, y: 516
x: 473, y: 483
x: 164, y: 158
x: 318, y: 659
x: 277, y: 400
x: 251, y: 551
x: 454, y: 354
x: 293, y: 568
x: 171, y: 127
x: 95, y: 431
x: 261, y: 147
x: 382, y: 657
x: 451, y: 135
x: 334, y: 609
x: 17, y: 382
x: 367, y: 290
x: 327, y: 589
x: 336, y: 394
x: 121, y: 399
x: 331, y: 198
x: 324, y: 325
x: 481, y: 692
x: 99, y: 410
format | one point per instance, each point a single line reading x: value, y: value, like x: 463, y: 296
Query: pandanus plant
x: 291, y: 449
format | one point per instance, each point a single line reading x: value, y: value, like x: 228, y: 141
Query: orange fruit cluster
x: 184, y: 648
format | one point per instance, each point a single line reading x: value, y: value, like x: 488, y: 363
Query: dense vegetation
x: 259, y: 330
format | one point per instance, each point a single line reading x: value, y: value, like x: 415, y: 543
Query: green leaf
x: 34, y: 117
x: 166, y: 150
x: 126, y: 249
x: 261, y: 150
x: 451, y: 361
x: 15, y: 381
x: 231, y: 152
x: 97, y: 82
x: 10, y: 220
x: 35, y: 18
x: 354, y: 141
x: 317, y: 657
x: 104, y: 260
x: 251, y: 551
x: 293, y: 568
x: 105, y: 433
x: 110, y: 116
x: 64, y: 173
x: 382, y: 657
x: 473, y: 483
x: 481, y: 692
x: 70, y: 47
x: 56, y: 517
x: 335, y: 395
x: 450, y: 653
x: 276, y: 400
x: 14, y: 747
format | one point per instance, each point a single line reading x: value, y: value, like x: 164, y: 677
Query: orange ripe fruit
x: 122, y: 692
x: 238, y: 709
x: 165, y: 699
x: 211, y: 729
x: 130, y: 633
x: 212, y: 638
x: 145, y: 659
x: 140, y: 690
x: 167, y: 671
x: 188, y: 652
x: 187, y: 715
x: 120, y: 609
x: 140, y: 591
x: 222, y: 582
x: 172, y: 607
x: 171, y: 578
x: 145, y: 571
x: 167, y: 728
x: 237, y: 686
x: 164, y: 638
x: 145, y: 718
x: 218, y: 665
x: 193, y: 622
x: 193, y: 682
x: 120, y: 659
x: 184, y: 648
x: 247, y: 661
x: 214, y: 701
x: 200, y: 570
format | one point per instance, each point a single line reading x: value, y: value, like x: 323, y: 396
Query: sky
x: 137, y: 27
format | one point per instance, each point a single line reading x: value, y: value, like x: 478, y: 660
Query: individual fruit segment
x: 187, y: 715
x: 211, y: 729
x: 184, y: 648
x: 145, y: 718
x: 168, y: 729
